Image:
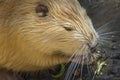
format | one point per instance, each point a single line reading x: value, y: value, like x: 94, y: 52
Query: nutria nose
x: 93, y: 49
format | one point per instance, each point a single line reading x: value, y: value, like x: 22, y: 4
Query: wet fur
x: 29, y: 42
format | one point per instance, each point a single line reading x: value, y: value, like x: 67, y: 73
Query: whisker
x: 74, y: 64
x: 100, y: 29
x: 109, y: 33
x: 70, y: 58
x: 88, y: 67
x: 105, y: 38
x: 70, y: 71
x: 82, y: 67
x: 76, y: 67
x: 72, y: 67
x: 94, y: 77
x: 105, y: 41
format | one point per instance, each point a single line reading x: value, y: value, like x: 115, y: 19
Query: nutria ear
x: 42, y: 10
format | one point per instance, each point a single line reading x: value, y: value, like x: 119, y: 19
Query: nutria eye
x: 68, y: 29
x: 42, y: 10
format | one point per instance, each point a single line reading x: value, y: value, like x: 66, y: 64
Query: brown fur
x: 29, y: 42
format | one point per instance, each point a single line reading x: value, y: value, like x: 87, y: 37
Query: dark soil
x: 102, y: 12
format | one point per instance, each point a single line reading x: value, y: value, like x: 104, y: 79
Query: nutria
x: 38, y: 34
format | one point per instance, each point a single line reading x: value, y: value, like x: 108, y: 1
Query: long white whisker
x: 105, y: 38
x: 108, y: 33
x: 71, y: 67
x: 103, y: 26
x: 77, y: 65
x: 70, y: 58
x: 93, y: 77
x: 82, y: 66
x: 70, y: 71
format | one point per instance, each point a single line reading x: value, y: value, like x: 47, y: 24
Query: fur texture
x: 29, y: 42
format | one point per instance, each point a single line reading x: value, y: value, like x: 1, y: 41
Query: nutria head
x: 37, y: 34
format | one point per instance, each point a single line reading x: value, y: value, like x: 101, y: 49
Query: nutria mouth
x: 80, y: 59
x: 86, y: 59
